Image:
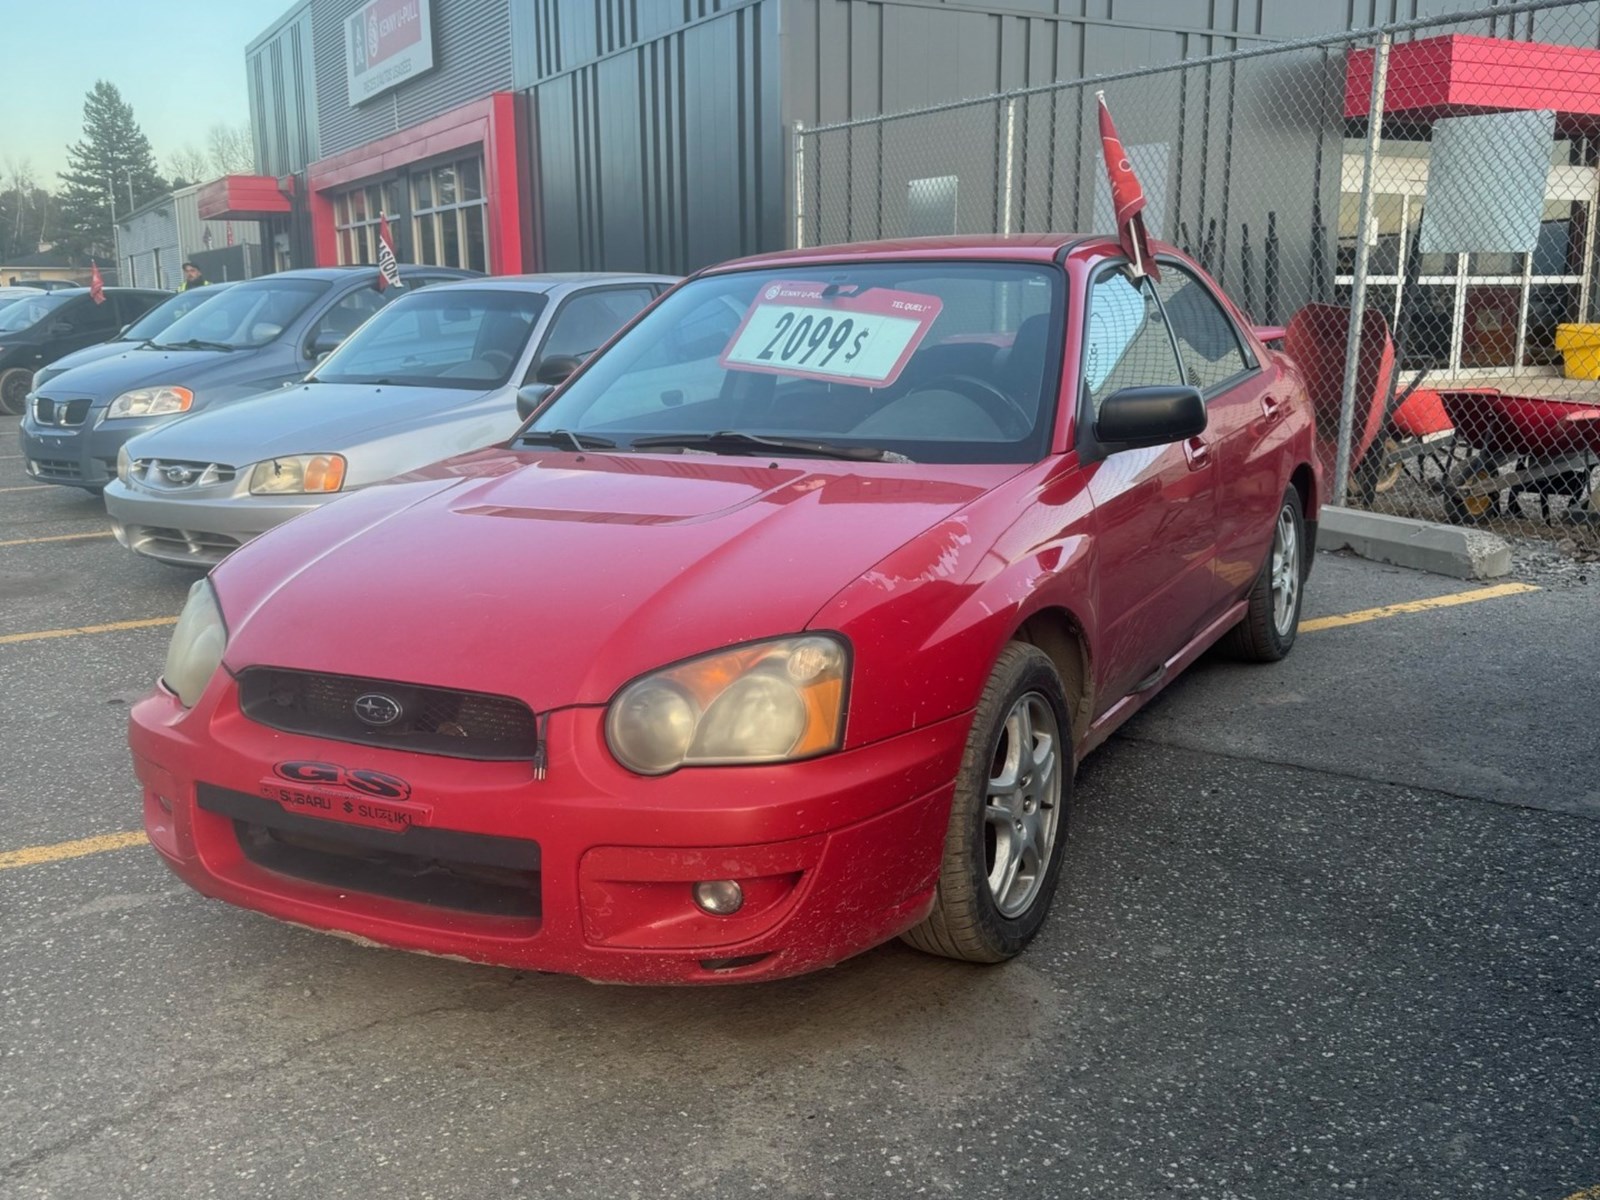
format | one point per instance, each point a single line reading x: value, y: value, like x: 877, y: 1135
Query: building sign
x: 387, y: 42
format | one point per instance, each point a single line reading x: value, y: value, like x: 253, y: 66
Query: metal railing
x: 1435, y: 267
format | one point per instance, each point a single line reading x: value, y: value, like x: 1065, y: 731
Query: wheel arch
x: 1060, y: 634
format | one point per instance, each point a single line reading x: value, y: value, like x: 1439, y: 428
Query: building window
x: 450, y: 215
x: 356, y: 214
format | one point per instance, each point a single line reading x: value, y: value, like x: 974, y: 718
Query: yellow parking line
x: 32, y: 487
x: 113, y: 627
x: 1412, y: 606
x: 60, y: 537
x: 32, y: 856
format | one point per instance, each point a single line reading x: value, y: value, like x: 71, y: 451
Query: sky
x: 180, y: 63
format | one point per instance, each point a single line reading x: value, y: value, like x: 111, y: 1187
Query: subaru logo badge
x: 377, y: 709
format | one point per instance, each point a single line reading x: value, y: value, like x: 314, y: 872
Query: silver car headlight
x: 765, y: 702
x: 197, y: 644
x: 150, y: 402
x: 297, y: 474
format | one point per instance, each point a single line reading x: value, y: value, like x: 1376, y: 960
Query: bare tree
x: 231, y: 148
x: 18, y: 180
x: 190, y: 164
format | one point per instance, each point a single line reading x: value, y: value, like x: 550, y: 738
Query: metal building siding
x: 192, y: 230
x: 667, y: 154
x: 148, y: 234
x: 280, y: 74
x: 472, y: 57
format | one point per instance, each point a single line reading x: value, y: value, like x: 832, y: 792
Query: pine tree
x: 113, y: 153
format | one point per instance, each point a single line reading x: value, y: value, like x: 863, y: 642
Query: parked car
x: 259, y: 336
x: 10, y: 295
x: 433, y: 374
x: 135, y: 334
x: 779, y: 629
x: 34, y: 332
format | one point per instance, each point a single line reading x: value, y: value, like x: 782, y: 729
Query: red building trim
x: 491, y: 122
x: 244, y: 197
x: 1459, y: 74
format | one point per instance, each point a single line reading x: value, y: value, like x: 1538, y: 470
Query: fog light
x: 719, y: 897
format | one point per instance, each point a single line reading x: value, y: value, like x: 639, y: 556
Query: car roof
x: 346, y: 271
x: 1019, y: 247
x: 554, y: 280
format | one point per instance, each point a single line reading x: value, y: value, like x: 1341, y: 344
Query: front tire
x: 1008, y: 819
x: 1272, y: 621
x: 14, y: 387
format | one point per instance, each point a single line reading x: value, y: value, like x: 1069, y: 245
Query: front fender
x: 929, y: 620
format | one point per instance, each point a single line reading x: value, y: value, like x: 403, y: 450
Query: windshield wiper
x: 566, y: 439
x: 193, y: 344
x: 731, y: 441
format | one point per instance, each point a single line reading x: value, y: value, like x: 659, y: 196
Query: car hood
x: 307, y: 419
x: 556, y: 577
x: 89, y: 354
x: 108, y: 378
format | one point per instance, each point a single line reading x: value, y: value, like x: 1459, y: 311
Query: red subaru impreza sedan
x: 776, y: 632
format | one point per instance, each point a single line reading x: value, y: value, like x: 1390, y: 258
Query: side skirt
x: 1170, y: 670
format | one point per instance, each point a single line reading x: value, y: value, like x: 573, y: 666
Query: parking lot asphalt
x: 1326, y: 928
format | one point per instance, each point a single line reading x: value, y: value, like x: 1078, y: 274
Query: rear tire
x: 1272, y: 621
x: 1008, y: 819
x: 14, y: 387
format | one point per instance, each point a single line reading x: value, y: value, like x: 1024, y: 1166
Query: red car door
x: 1245, y: 404
x: 1155, y: 508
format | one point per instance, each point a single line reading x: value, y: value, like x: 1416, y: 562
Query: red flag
x: 1127, y: 197
x: 97, y: 286
x: 230, y: 232
x: 388, y: 269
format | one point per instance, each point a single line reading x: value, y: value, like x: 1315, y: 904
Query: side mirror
x: 125, y: 329
x: 555, y: 369
x: 530, y: 397
x: 1150, y: 416
x: 60, y: 328
x: 324, y: 344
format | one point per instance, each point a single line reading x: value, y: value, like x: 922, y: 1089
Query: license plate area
x: 440, y: 868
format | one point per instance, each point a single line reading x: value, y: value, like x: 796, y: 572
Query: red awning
x: 1459, y: 74
x: 245, y: 197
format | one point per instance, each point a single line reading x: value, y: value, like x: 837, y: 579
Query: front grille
x: 431, y: 720
x: 183, y: 543
x: 55, y: 468
x: 175, y: 473
x: 440, y: 868
x: 63, y: 413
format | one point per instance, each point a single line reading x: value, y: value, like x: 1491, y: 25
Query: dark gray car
x: 253, y: 339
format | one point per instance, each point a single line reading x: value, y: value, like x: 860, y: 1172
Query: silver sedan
x: 432, y: 374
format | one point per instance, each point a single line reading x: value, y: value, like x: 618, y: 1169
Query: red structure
x: 1459, y: 75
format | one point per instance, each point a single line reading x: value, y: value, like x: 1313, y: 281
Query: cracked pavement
x: 1328, y: 928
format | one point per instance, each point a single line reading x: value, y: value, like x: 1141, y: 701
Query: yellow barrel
x: 1580, y: 350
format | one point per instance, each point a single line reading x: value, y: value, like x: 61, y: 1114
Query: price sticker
x: 863, y: 337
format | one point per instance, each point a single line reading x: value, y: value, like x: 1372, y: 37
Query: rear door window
x: 587, y: 321
x: 1207, y: 339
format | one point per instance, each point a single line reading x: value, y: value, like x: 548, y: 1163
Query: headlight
x: 766, y: 702
x: 297, y: 474
x: 150, y: 402
x: 124, y: 465
x: 197, y: 645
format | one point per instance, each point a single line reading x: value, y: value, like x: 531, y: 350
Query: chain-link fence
x: 1435, y: 270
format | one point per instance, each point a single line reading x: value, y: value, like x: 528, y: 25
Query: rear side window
x: 1206, y: 337
x: 1127, y: 344
x: 587, y: 321
x: 87, y: 316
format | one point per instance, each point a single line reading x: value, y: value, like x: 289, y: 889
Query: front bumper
x: 81, y: 455
x: 586, y: 872
x: 197, y: 530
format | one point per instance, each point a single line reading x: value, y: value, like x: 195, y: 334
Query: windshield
x: 165, y: 313
x: 938, y: 362
x: 451, y: 337
x: 247, y: 315
x: 26, y: 313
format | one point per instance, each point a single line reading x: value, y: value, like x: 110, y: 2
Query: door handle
x: 1198, y: 453
x: 1271, y: 408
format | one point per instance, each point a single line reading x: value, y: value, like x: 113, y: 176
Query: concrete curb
x: 1420, y: 545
